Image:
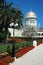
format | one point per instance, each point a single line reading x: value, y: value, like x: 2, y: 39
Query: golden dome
x: 31, y: 15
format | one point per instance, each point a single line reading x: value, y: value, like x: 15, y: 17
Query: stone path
x: 33, y: 57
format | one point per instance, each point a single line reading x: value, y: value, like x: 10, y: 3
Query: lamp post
x: 12, y: 25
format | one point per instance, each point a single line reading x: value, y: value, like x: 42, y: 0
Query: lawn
x: 3, y: 47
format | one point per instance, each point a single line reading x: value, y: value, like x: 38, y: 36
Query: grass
x: 3, y: 47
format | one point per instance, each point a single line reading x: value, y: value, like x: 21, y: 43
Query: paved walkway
x: 33, y: 57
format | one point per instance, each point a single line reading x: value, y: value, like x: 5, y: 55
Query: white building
x: 17, y: 32
x: 31, y: 19
x: 31, y: 27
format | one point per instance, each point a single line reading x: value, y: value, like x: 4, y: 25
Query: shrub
x: 8, y: 48
x: 17, y: 46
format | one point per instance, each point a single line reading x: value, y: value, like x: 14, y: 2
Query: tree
x: 9, y: 14
x: 18, y: 17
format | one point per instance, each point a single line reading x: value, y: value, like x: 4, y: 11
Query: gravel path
x: 33, y: 57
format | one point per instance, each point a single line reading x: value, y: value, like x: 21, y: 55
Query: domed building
x: 30, y: 28
x: 31, y: 19
x: 31, y: 14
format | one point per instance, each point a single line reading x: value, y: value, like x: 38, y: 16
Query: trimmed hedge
x: 23, y: 44
x: 5, y: 47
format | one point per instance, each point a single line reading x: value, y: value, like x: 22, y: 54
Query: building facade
x: 31, y: 27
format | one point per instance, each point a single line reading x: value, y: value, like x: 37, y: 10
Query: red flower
x: 8, y: 57
x: 4, y: 59
x: 10, y: 60
x: 2, y: 63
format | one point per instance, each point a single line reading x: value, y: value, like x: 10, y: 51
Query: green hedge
x: 23, y: 44
x: 5, y: 47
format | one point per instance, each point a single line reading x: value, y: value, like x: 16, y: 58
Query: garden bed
x: 5, y: 59
x: 23, y: 51
x: 39, y: 43
x: 24, y: 48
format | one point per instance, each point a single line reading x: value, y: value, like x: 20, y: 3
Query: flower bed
x: 23, y: 51
x: 6, y: 59
x: 2, y: 63
x: 39, y: 43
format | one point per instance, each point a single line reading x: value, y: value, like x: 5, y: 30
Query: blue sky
x: 35, y: 5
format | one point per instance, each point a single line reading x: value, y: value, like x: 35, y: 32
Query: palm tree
x: 4, y: 18
x: 17, y: 16
x: 9, y: 14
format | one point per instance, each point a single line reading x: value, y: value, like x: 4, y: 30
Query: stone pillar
x: 34, y: 43
x: 14, y: 58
